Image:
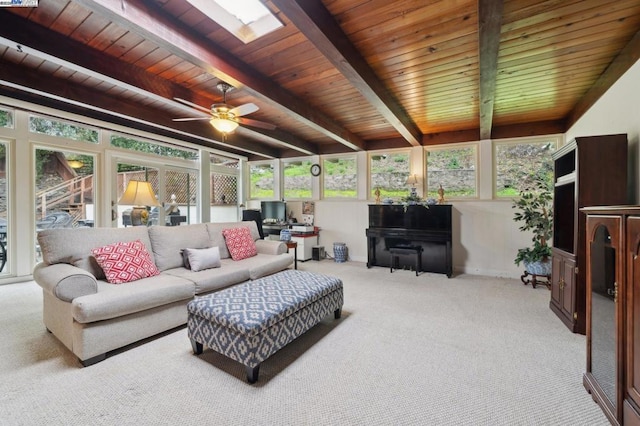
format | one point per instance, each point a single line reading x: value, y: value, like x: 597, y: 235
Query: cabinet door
x: 633, y: 315
x: 556, y: 273
x: 567, y: 287
x: 605, y: 291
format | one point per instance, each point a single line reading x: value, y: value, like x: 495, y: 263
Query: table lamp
x: 138, y: 194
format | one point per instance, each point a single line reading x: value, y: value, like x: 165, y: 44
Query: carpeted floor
x: 408, y: 350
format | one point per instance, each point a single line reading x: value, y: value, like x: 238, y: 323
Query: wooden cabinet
x: 588, y: 171
x: 563, y: 276
x: 613, y: 317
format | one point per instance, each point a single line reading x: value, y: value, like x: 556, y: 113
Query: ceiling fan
x: 223, y: 117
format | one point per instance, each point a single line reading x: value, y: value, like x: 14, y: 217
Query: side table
x: 293, y: 245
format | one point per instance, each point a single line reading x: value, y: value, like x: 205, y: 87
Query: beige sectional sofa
x: 92, y: 317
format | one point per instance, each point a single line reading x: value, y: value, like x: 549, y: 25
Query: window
x: 261, y: 180
x: 6, y: 118
x: 62, y: 129
x: 126, y: 142
x: 518, y: 163
x: 340, y: 177
x: 297, y: 179
x: 248, y: 20
x: 389, y: 172
x: 224, y: 180
x: 455, y: 169
x: 4, y: 206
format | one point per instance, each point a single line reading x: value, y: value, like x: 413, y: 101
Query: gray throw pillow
x: 199, y: 259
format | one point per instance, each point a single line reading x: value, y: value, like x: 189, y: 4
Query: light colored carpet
x: 408, y: 350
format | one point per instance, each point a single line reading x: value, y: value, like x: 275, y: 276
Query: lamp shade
x: 412, y: 180
x: 223, y: 125
x: 138, y: 193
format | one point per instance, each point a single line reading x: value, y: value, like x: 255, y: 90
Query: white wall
x: 617, y: 111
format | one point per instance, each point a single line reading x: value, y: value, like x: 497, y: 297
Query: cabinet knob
x: 561, y: 283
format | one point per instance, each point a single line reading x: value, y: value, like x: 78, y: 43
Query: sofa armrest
x: 271, y: 247
x: 65, y: 281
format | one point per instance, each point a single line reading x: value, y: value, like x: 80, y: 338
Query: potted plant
x: 535, y: 212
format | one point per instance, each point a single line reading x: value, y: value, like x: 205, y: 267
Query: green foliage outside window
x: 51, y: 127
x: 340, y: 177
x: 297, y: 179
x: 389, y: 173
x: 6, y: 118
x: 520, y: 165
x: 120, y: 141
x: 453, y: 168
x: 261, y: 178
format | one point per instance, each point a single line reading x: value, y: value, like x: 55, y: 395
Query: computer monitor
x: 273, y: 211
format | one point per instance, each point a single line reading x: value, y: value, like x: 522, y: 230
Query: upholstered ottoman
x: 250, y: 322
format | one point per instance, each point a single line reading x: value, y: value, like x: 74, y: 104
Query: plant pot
x: 538, y: 268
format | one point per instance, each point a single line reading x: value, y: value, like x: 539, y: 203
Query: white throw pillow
x: 205, y: 258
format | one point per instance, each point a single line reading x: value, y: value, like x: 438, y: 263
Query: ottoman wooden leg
x: 197, y: 347
x: 337, y: 313
x: 252, y: 373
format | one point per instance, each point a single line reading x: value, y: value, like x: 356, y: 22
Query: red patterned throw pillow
x: 240, y: 243
x: 125, y: 262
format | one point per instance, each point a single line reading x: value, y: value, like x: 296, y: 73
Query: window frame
x: 462, y: 145
x: 323, y: 175
x: 370, y: 154
x: 283, y: 166
x: 556, y: 139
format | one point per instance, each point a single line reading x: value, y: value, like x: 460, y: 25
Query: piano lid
x: 432, y: 218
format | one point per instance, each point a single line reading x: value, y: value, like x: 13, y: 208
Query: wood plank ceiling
x: 339, y: 76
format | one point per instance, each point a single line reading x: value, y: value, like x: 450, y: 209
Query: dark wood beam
x: 66, y: 52
x: 279, y: 137
x: 489, y: 25
x: 79, y: 99
x: 152, y: 23
x: 314, y: 21
x: 628, y: 56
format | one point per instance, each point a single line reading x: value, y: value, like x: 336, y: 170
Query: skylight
x: 248, y: 20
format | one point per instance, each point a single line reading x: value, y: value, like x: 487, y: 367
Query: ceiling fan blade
x: 244, y: 109
x: 256, y: 123
x: 191, y: 119
x: 191, y: 104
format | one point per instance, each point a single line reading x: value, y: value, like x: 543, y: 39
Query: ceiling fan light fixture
x: 223, y: 125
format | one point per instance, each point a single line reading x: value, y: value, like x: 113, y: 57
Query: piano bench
x: 396, y: 252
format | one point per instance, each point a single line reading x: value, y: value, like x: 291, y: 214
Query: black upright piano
x: 426, y: 226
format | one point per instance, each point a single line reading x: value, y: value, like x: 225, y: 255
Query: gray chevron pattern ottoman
x: 250, y: 322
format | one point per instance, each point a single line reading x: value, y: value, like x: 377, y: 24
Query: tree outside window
x: 455, y: 169
x: 6, y: 118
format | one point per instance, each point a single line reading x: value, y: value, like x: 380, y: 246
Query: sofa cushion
x: 217, y: 239
x: 205, y: 258
x: 112, y: 301
x: 74, y: 245
x: 168, y: 241
x: 208, y: 280
x: 267, y: 264
x: 125, y: 262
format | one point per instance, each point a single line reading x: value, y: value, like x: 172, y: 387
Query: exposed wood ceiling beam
x: 17, y: 77
x: 51, y: 46
x: 628, y: 56
x: 318, y: 25
x: 489, y: 24
x: 153, y: 24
